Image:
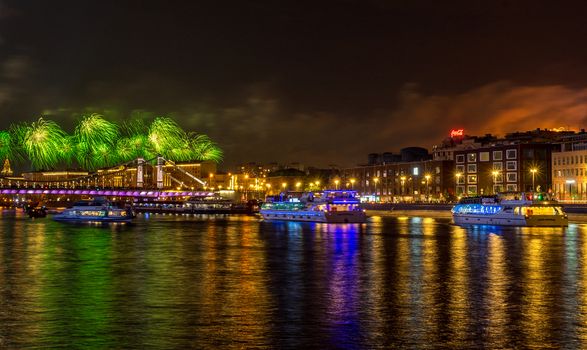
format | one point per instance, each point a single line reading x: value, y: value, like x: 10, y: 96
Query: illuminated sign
x: 456, y: 132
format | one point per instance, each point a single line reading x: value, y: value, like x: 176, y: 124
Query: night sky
x: 318, y: 82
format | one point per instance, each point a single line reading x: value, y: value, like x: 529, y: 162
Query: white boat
x: 96, y: 210
x: 510, y: 209
x: 330, y: 206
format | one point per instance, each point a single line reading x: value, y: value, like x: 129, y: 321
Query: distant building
x: 569, y: 168
x: 519, y: 161
x: 179, y: 175
x: 408, y: 154
x: 503, y: 167
x: 413, y: 178
x: 59, y: 175
x: 459, y: 141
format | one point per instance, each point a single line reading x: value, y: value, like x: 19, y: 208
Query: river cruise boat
x: 330, y: 206
x: 95, y: 210
x: 208, y: 205
x: 510, y: 209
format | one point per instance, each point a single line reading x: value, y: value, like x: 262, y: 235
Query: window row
x: 569, y: 160
x: 390, y: 173
x: 571, y: 172
x: 498, y: 178
x: 484, y: 156
x: 471, y: 190
x: 510, y: 165
x: 564, y: 188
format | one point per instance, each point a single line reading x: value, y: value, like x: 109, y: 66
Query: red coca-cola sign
x: 457, y: 132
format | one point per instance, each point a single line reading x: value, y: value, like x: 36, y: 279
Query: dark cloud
x: 499, y: 107
x: 261, y: 129
x: 316, y: 82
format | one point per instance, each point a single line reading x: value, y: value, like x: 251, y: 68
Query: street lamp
x: 427, y: 177
x: 336, y: 182
x: 494, y: 173
x: 375, y: 180
x: 298, y: 184
x: 457, y: 180
x: 403, y: 179
x: 352, y: 183
x: 284, y: 185
x: 533, y: 172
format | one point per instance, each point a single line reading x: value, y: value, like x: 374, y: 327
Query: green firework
x: 124, y: 149
x: 98, y: 143
x: 42, y: 142
x: 94, y: 130
x: 202, y: 148
x: 103, y: 156
x: 6, y: 149
x: 165, y: 135
x: 68, y: 149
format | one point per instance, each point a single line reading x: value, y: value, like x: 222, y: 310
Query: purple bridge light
x: 121, y: 193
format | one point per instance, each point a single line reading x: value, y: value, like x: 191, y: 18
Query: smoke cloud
x: 260, y: 129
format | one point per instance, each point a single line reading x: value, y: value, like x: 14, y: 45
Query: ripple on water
x: 206, y: 282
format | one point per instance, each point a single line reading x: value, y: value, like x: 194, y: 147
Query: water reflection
x: 233, y: 282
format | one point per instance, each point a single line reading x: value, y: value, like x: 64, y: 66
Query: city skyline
x: 319, y: 83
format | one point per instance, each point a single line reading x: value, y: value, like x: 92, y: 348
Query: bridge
x: 151, y: 178
x: 118, y: 193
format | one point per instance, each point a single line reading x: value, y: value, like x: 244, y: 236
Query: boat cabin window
x: 540, y: 210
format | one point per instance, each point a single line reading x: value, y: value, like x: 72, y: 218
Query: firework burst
x: 95, y: 131
x: 165, y: 135
x: 6, y: 149
x: 98, y: 143
x: 202, y: 148
x: 42, y: 142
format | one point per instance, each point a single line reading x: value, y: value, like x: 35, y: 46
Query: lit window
x: 471, y: 157
x: 472, y: 179
x: 498, y: 178
x: 511, y: 165
x: 484, y: 156
x: 472, y: 190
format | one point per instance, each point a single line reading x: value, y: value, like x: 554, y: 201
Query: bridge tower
x: 160, y: 162
x: 6, y: 169
x: 140, y: 172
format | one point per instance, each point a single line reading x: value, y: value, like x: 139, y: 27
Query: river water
x: 403, y: 281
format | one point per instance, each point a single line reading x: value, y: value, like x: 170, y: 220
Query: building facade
x: 503, y: 167
x: 569, y: 168
x: 424, y: 180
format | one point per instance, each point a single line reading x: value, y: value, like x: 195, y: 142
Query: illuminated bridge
x: 118, y: 193
x: 153, y: 178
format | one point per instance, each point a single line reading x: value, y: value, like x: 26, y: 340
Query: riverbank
x: 385, y: 207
